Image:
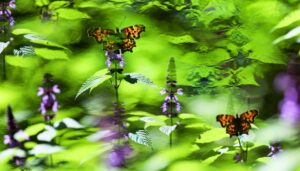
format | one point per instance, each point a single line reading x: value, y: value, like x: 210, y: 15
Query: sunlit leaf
x: 43, y: 149
x: 8, y: 154
x: 212, y: 135
x: 288, y: 20
x: 167, y: 129
x: 58, y: 4
x: 48, y: 134
x: 21, y: 136
x: 292, y: 33
x: 3, y: 45
x: 69, y: 123
x: 23, y: 62
x: 71, y: 14
x: 94, y: 81
x: 51, y: 54
x: 138, y: 78
x: 141, y: 137
x: 41, y: 2
x: 180, y: 39
x: 34, y: 129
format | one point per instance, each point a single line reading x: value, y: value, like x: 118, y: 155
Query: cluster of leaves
x: 220, y: 47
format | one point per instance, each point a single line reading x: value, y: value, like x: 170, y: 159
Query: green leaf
x: 141, y: 137
x: 167, y: 129
x: 180, y: 39
x: 22, y: 31
x: 213, y: 57
x: 290, y: 19
x: 212, y: 135
x: 292, y: 33
x: 262, y: 48
x: 35, y: 38
x: 211, y: 159
x: 246, y: 75
x: 3, y: 46
x: 45, y: 149
x: 94, y: 81
x: 153, y: 121
x: 153, y: 4
x: 34, y: 129
x: 133, y: 78
x: 30, y: 144
x: 69, y: 123
x: 71, y: 14
x: 48, y: 134
x: 88, y: 4
x: 41, y: 3
x: 58, y: 4
x: 6, y: 155
x: 23, y: 62
x: 51, y: 54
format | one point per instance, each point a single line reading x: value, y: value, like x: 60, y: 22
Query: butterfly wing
x: 225, y: 120
x: 231, y: 129
x: 101, y: 35
x: 244, y: 127
x: 133, y: 31
x: 249, y: 116
x: 128, y: 44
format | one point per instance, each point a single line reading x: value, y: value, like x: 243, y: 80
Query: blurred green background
x: 227, y: 55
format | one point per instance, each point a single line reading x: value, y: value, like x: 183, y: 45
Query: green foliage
x: 95, y: 80
x: 227, y: 54
x: 137, y: 78
x: 167, y: 129
x: 141, y: 137
x: 71, y: 14
x: 171, y: 77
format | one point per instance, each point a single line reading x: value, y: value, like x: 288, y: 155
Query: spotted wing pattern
x: 115, y: 40
x: 244, y: 127
x: 133, y: 31
x: 231, y: 129
x: 225, y: 120
x: 249, y: 116
x: 238, y: 125
x: 128, y: 44
x: 101, y: 35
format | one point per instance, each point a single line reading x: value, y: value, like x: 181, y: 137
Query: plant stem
x: 171, y: 120
x: 116, y: 85
x: 50, y: 155
x: 51, y: 160
x: 243, y: 152
x: 246, y: 152
x: 3, y: 67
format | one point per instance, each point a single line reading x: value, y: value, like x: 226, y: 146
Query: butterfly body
x: 237, y: 125
x: 116, y: 39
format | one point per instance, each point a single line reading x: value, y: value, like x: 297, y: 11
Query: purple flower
x: 275, y: 148
x: 12, y: 4
x: 238, y: 157
x: 290, y: 104
x: 171, y: 105
x: 9, y: 139
x: 114, y: 57
x: 5, y: 13
x: 48, y: 103
x: 117, y: 157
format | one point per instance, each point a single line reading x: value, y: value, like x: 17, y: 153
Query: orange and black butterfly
x: 115, y: 39
x: 237, y: 125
